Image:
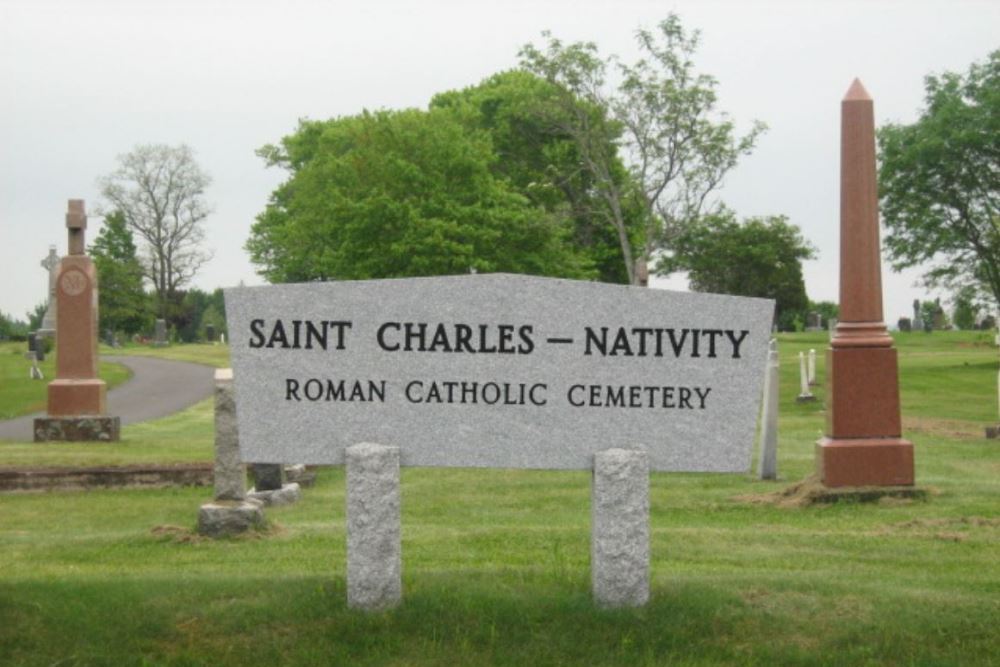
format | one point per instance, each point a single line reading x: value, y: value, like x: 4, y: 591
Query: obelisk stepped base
x: 862, y: 392
x: 68, y: 398
x: 84, y: 428
x: 865, y: 462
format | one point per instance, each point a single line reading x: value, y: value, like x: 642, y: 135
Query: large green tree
x: 662, y: 112
x: 124, y: 306
x: 761, y: 257
x: 542, y: 162
x: 401, y: 193
x: 939, y: 182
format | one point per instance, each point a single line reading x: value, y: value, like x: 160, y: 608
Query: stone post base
x: 230, y: 517
x: 619, y: 531
x: 865, y: 462
x: 85, y: 428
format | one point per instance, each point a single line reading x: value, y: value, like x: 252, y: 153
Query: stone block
x: 374, y: 556
x: 300, y: 475
x: 286, y: 495
x: 225, y: 518
x: 619, y: 541
x: 865, y: 462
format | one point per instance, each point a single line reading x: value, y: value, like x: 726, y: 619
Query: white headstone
x: 768, y: 464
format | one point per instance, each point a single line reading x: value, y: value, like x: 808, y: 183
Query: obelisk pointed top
x: 857, y: 93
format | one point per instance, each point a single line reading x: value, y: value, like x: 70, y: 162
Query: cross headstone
x: 918, y: 323
x: 50, y: 263
x: 77, y: 397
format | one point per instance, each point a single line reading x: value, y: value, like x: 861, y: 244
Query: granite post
x: 230, y: 513
x: 768, y: 465
x: 374, y: 553
x: 812, y: 367
x: 619, y: 539
x: 863, y: 444
x: 77, y: 398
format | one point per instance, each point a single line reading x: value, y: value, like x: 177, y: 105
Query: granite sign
x: 497, y: 371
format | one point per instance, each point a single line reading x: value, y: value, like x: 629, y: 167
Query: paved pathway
x: 158, y: 388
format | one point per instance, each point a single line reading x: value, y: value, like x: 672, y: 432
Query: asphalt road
x: 158, y: 388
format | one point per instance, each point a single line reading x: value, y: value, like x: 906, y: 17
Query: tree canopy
x: 939, y: 182
x: 542, y: 162
x: 123, y: 303
x: 402, y: 193
x: 761, y: 257
x: 662, y: 112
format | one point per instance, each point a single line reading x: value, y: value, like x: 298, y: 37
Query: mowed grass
x: 20, y: 395
x: 496, y: 562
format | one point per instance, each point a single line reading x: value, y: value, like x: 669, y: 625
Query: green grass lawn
x: 496, y: 561
x: 20, y: 395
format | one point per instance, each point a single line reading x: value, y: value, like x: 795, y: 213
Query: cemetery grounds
x: 495, y: 562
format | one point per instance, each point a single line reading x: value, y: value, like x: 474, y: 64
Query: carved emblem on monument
x: 73, y: 282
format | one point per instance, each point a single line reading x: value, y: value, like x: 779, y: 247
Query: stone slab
x: 374, y: 552
x: 619, y: 541
x: 92, y: 428
x: 501, y: 371
x: 865, y: 462
x: 286, y: 495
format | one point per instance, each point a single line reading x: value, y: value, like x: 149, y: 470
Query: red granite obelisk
x: 77, y: 406
x: 863, y: 444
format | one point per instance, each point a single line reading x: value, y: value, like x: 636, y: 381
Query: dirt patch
x: 182, y: 535
x: 948, y: 428
x: 811, y: 491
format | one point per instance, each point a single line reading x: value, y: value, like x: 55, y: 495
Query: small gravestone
x: 230, y: 513
x: 905, y: 324
x: 270, y: 487
x: 814, y: 322
x: 160, y: 333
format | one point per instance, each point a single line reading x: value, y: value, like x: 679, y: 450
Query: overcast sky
x: 85, y: 81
